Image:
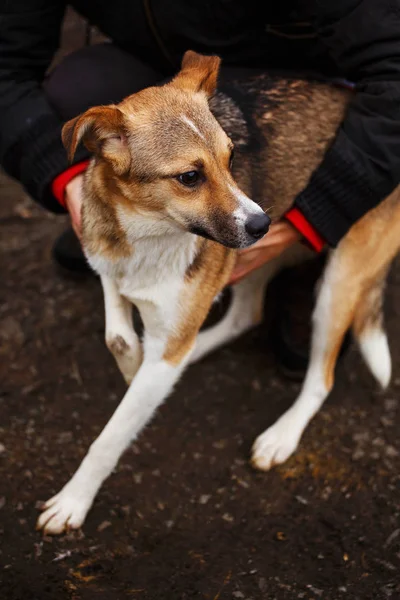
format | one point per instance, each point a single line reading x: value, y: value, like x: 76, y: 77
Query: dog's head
x: 164, y: 156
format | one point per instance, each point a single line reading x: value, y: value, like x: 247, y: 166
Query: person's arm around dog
x: 362, y: 166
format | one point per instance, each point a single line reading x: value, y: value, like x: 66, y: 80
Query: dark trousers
x: 105, y: 74
x: 94, y: 75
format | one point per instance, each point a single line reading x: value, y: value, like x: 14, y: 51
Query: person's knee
x: 98, y: 74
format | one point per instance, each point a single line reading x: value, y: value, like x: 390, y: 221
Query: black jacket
x: 356, y: 39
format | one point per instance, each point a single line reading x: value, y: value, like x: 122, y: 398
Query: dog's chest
x: 157, y: 299
x: 155, y: 273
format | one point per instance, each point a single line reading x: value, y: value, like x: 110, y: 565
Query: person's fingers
x: 76, y: 227
x: 245, y: 267
x: 77, y: 218
x: 73, y: 201
x: 282, y: 235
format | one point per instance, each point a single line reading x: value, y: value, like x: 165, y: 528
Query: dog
x: 165, y: 208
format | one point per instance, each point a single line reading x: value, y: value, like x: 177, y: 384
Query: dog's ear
x: 102, y: 130
x: 198, y: 73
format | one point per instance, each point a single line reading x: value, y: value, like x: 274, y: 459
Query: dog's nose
x: 257, y: 225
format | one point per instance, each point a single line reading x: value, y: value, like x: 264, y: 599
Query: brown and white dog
x: 164, y: 210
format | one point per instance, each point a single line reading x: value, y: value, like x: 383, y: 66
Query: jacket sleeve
x: 362, y: 166
x: 31, y: 150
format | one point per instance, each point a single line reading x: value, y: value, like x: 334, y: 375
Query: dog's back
x: 281, y: 128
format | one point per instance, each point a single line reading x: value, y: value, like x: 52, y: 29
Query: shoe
x: 68, y: 253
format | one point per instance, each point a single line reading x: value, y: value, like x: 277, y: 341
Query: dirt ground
x: 184, y: 515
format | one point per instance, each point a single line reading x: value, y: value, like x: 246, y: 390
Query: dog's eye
x: 232, y: 156
x: 189, y: 179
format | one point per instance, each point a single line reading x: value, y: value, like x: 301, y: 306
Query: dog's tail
x: 368, y: 329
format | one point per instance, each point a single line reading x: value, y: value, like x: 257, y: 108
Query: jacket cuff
x: 338, y: 193
x: 61, y: 181
x: 298, y: 220
x: 38, y: 157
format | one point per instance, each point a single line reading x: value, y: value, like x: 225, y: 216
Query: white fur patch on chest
x: 153, y: 277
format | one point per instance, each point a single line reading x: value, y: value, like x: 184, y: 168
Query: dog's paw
x: 275, y: 445
x: 63, y: 512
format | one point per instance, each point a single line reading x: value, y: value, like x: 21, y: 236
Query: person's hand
x: 73, y: 202
x: 282, y: 235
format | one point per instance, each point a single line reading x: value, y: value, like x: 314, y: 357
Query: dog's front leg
x: 121, y: 338
x: 153, y: 382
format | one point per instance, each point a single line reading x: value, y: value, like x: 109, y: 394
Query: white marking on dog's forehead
x: 192, y: 126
